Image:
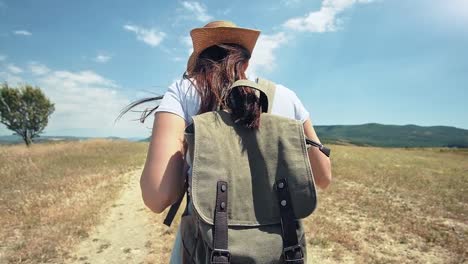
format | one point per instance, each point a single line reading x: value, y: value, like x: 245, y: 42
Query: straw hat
x: 218, y: 32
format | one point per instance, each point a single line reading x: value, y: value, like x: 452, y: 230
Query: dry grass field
x: 385, y: 205
x: 51, y: 195
x: 393, y: 206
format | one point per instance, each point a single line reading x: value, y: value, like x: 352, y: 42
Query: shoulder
x: 182, y: 86
x: 285, y: 93
x: 181, y: 98
x: 185, y: 91
x: 287, y: 103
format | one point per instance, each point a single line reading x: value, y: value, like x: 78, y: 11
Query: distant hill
x: 362, y: 135
x: 13, y: 139
x: 394, y: 135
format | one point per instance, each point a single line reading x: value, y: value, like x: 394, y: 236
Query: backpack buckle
x: 220, y: 253
x: 290, y: 253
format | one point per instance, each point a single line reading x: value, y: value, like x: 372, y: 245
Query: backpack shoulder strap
x: 269, y: 89
x: 265, y: 87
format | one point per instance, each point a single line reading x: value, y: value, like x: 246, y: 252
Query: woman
x: 221, y: 56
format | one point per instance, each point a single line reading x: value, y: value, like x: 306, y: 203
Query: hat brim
x: 203, y: 38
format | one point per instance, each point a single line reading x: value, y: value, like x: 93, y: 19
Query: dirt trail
x: 122, y: 237
x: 131, y: 233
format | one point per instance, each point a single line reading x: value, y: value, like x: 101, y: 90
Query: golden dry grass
x: 52, y: 194
x: 160, y: 247
x: 385, y: 205
x: 393, y: 206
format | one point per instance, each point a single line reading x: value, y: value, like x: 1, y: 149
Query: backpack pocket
x: 250, y: 162
x: 247, y: 245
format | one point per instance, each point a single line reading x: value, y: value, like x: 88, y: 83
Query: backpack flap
x: 250, y: 161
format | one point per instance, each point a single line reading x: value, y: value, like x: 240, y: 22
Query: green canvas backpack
x: 248, y: 189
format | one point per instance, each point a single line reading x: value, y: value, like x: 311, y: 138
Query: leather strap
x: 321, y: 147
x: 174, y: 208
x: 220, y: 253
x: 292, y: 251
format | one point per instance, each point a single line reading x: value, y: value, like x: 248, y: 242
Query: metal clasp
x: 220, y: 252
x: 293, y: 249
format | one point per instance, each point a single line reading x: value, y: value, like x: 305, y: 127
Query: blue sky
x: 350, y: 61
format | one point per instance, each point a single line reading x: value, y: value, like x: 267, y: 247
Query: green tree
x: 25, y: 110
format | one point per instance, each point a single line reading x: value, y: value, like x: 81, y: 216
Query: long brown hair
x: 216, y: 69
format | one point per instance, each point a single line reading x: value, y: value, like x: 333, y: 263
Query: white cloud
x: 38, y: 68
x: 178, y: 59
x: 150, y: 36
x: 197, y: 10
x: 291, y: 2
x: 88, y: 102
x: 187, y: 41
x: 263, y: 56
x: 11, y: 79
x: 22, y: 32
x: 450, y: 14
x: 224, y: 12
x: 14, y: 69
x: 102, y: 58
x: 82, y: 78
x: 326, y: 19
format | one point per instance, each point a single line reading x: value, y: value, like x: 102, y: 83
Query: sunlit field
x: 51, y: 195
x: 393, y: 206
x: 385, y: 205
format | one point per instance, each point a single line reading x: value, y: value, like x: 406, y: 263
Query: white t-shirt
x: 183, y: 100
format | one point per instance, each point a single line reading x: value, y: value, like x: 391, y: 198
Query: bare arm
x: 321, y: 166
x: 162, y: 179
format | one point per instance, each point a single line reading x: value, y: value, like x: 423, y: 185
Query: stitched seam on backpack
x: 305, y: 155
